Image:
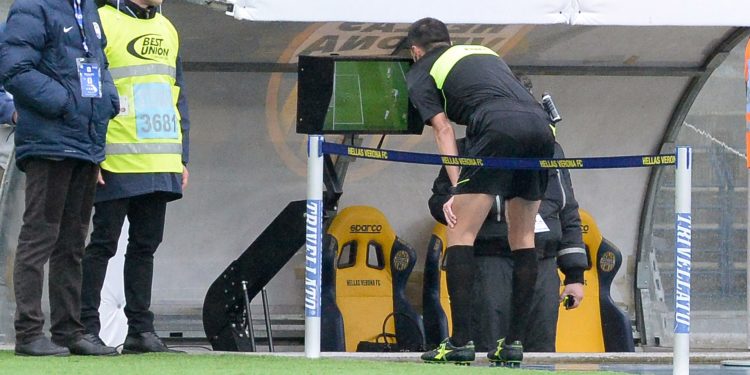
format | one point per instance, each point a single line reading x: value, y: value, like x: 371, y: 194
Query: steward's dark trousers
x: 59, y: 196
x: 492, y: 307
x: 145, y: 214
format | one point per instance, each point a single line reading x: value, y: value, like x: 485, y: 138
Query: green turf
x: 235, y: 364
x: 370, y: 95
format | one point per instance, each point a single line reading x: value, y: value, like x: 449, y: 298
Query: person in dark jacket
x: 52, y: 61
x: 558, y: 242
x: 137, y: 183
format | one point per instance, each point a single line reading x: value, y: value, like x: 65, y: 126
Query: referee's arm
x: 445, y: 138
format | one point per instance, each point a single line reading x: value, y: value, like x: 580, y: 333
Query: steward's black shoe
x: 95, y: 339
x: 41, y: 346
x: 145, y: 342
x: 447, y: 353
x: 506, y: 355
x: 90, y: 344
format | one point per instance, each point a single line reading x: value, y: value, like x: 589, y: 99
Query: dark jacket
x: 558, y: 209
x: 169, y: 185
x: 38, y: 53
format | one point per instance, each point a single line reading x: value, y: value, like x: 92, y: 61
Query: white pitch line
x: 333, y: 118
x: 361, y: 106
x: 348, y: 123
x: 402, y: 71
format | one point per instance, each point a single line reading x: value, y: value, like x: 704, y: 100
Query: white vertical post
x: 313, y: 245
x: 683, y: 220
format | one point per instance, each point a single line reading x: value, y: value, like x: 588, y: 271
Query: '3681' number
x: 158, y: 124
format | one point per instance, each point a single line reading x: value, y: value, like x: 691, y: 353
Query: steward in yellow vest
x: 142, y: 54
x: 144, y: 167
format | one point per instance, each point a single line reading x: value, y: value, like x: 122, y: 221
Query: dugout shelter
x: 625, y: 76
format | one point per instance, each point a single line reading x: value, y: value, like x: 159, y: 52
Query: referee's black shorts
x: 508, y: 134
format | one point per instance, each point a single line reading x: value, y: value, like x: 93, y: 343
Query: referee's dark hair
x: 428, y: 33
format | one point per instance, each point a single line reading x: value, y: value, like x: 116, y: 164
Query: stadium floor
x: 642, y: 363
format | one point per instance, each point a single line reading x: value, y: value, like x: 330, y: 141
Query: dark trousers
x: 492, y: 296
x: 146, y: 216
x: 59, y: 196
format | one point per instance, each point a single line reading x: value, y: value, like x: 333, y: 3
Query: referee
x: 559, y: 244
x: 472, y: 86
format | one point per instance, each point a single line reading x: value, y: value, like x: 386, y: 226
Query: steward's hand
x: 574, y: 290
x: 99, y: 178
x: 185, y: 177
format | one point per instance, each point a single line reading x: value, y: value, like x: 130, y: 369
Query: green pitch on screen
x: 368, y: 96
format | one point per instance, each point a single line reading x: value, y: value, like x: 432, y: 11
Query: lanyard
x: 79, y: 20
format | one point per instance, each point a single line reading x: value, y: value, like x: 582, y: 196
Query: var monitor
x: 345, y: 94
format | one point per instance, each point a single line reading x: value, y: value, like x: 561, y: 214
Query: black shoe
x: 506, y: 355
x: 41, y: 346
x: 145, y: 342
x: 90, y: 344
x: 447, y: 353
x: 95, y: 339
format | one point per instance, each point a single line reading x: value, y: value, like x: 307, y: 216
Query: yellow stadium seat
x: 597, y: 325
x: 365, y: 271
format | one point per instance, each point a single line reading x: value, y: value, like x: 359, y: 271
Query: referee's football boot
x: 506, y: 355
x: 447, y: 353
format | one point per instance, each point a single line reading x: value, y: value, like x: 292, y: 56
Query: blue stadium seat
x: 435, y: 303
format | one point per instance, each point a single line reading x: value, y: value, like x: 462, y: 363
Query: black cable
x: 12, y: 131
x: 385, y: 335
x: 192, y: 346
x: 382, y: 138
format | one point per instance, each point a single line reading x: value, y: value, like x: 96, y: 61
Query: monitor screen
x: 368, y: 95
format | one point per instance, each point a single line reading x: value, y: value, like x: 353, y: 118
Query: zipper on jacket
x: 562, y: 189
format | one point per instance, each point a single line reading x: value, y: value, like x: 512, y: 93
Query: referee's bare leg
x: 470, y: 210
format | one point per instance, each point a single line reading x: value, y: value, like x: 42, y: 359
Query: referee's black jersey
x: 475, y: 81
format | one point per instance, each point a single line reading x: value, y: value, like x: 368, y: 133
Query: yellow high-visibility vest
x: 146, y: 136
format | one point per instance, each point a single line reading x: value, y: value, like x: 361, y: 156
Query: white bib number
x: 155, y: 117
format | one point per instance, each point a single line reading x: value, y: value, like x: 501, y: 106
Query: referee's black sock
x: 460, y: 280
x: 525, y: 268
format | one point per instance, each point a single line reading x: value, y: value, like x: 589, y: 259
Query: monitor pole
x: 313, y: 245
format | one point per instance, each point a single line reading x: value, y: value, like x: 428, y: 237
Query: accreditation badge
x: 539, y: 225
x: 90, y: 76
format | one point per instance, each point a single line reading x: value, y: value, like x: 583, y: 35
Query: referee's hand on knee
x: 450, y: 217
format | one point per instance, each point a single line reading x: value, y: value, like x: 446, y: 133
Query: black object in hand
x: 569, y: 301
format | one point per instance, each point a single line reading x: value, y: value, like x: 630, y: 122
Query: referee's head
x: 426, y: 34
